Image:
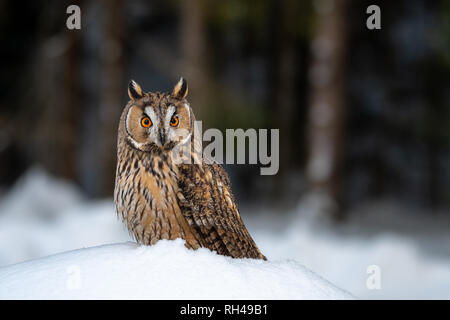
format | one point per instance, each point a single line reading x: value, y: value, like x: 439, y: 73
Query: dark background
x: 363, y: 114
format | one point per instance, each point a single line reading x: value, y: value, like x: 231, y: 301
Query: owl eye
x: 146, y: 122
x: 174, y: 121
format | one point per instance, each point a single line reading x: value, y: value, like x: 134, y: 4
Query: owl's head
x: 157, y: 121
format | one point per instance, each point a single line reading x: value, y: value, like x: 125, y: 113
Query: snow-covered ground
x: 42, y: 216
x: 165, y: 271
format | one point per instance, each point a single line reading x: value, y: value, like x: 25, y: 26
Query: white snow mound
x: 167, y: 270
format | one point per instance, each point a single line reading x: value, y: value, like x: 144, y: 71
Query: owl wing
x: 208, y: 205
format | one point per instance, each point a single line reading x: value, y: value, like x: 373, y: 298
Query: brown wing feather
x: 208, y: 205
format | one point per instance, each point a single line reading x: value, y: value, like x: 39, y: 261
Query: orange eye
x: 146, y: 122
x: 174, y: 121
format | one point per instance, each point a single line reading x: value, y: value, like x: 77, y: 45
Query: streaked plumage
x: 158, y: 198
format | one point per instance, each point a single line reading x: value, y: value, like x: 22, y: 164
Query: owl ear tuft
x: 134, y: 90
x: 180, y: 90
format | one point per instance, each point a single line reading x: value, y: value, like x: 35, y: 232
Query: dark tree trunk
x: 327, y: 111
x: 111, y: 93
x: 195, y: 64
x: 70, y: 115
x: 281, y: 84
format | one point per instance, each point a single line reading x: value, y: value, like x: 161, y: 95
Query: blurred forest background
x: 363, y: 114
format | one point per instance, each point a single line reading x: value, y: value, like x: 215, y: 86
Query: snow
x: 167, y: 270
x: 42, y: 216
x: 411, y: 252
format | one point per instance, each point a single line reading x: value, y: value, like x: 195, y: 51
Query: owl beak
x: 162, y: 137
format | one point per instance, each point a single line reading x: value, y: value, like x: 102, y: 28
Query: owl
x: 158, y: 197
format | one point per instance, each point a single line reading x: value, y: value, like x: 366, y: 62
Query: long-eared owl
x: 158, y: 196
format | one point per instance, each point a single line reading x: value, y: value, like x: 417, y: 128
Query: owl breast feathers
x: 160, y: 198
